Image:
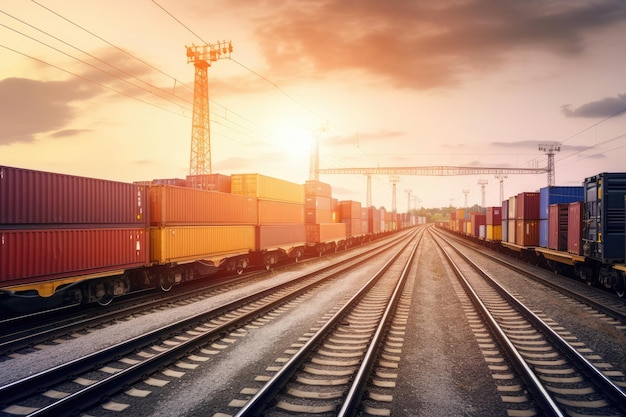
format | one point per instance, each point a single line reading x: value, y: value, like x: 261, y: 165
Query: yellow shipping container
x: 269, y: 188
x: 180, y: 244
x: 494, y: 232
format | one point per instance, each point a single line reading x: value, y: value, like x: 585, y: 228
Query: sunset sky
x: 103, y: 89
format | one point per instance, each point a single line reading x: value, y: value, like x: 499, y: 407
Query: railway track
x: 328, y: 371
x: 75, y: 386
x: 560, y: 379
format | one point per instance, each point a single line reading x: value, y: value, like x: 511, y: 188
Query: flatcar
x: 578, y: 231
x: 71, y: 239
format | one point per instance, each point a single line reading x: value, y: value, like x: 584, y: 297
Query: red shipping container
x: 30, y: 256
x: 325, y: 232
x: 38, y: 197
x: 317, y: 188
x: 477, y: 220
x: 171, y: 206
x: 494, y: 216
x: 282, y: 236
x: 575, y: 228
x: 350, y: 209
x: 527, y: 206
x: 280, y: 212
x: 557, y: 227
x: 374, y: 219
x: 527, y: 232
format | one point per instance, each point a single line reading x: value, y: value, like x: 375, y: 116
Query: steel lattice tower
x: 550, y: 149
x: 202, y: 56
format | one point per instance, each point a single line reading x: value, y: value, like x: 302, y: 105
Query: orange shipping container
x: 280, y: 212
x: 325, y: 232
x: 268, y: 188
x: 171, y: 206
x: 317, y: 216
x: 283, y: 236
x: 318, y: 188
x: 179, y: 244
x: 494, y: 232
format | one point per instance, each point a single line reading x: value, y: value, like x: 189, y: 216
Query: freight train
x: 577, y: 231
x: 71, y: 239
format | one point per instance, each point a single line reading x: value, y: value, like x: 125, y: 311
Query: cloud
x: 29, y: 107
x: 606, y: 107
x: 420, y: 45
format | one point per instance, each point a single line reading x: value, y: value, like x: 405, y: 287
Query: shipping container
x: 494, y: 216
x: 493, y: 233
x: 209, y: 182
x: 38, y: 255
x: 283, y: 236
x: 280, y: 212
x: 575, y: 228
x: 527, y: 232
x: 557, y: 227
x: 350, y: 209
x: 505, y: 210
x: 558, y: 195
x: 460, y: 214
x: 325, y: 232
x: 39, y: 198
x: 312, y: 216
x: 374, y: 220
x: 604, y: 216
x: 504, y: 230
x: 477, y: 220
x: 268, y: 188
x: 178, y: 182
x: 187, y: 206
x: 511, y: 231
x: 317, y: 202
x: 213, y: 243
x: 317, y: 188
x: 353, y: 227
x: 527, y: 206
x: 512, y: 208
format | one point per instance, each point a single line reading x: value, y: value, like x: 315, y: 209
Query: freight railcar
x: 578, y: 231
x: 67, y: 238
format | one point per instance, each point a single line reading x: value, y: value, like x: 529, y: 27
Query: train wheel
x: 105, y: 300
x: 166, y: 285
x: 620, y: 293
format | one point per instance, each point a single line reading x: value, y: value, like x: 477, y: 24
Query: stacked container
x: 188, y: 224
x: 512, y: 212
x: 63, y: 226
x: 351, y: 217
x: 575, y: 228
x: 493, y: 223
x: 281, y: 224
x: 554, y: 195
x: 210, y: 182
x: 527, y: 219
x: 374, y: 220
x: 320, y: 227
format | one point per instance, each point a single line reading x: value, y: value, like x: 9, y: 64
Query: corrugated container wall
x: 374, y: 219
x: 527, y: 207
x: 269, y: 188
x: 574, y: 227
x: 325, y: 232
x: 527, y: 232
x: 350, y: 209
x: 37, y: 255
x: 280, y: 212
x: 283, y: 236
x: 37, y: 197
x: 505, y: 210
x: 187, y: 206
x: 209, y: 182
x: 557, y: 227
x: 494, y: 216
x: 317, y: 188
x: 512, y: 208
x: 558, y: 195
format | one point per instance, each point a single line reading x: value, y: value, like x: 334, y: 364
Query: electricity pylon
x: 549, y: 149
x: 482, y: 184
x: 202, y: 57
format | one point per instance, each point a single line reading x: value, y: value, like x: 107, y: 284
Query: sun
x: 293, y: 141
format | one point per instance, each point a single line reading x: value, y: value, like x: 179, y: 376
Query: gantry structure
x: 436, y: 171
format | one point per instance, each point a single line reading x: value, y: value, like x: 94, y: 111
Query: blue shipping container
x: 558, y: 195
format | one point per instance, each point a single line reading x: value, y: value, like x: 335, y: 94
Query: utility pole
x: 501, y: 178
x: 202, y: 57
x: 394, y: 179
x: 466, y: 192
x: 409, y: 191
x: 482, y: 184
x: 549, y: 149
